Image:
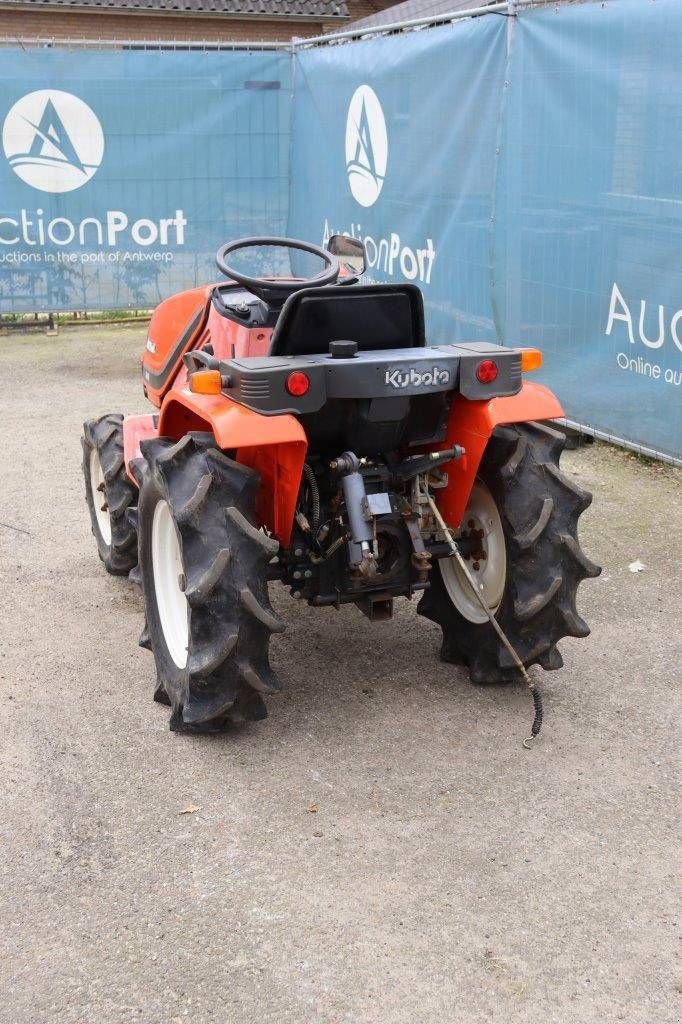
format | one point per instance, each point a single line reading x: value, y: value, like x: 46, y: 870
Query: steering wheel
x: 276, y: 290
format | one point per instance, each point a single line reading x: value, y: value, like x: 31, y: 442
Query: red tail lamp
x: 487, y: 371
x: 298, y: 383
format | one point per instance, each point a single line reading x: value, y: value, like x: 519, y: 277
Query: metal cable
x: 535, y: 693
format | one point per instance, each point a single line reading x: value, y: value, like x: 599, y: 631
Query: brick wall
x: 60, y: 24
x: 363, y: 8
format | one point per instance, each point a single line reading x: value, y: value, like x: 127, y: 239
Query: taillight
x: 205, y: 382
x: 297, y: 383
x: 487, y: 371
x: 531, y: 359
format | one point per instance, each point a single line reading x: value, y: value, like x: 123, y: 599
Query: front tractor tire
x: 521, y: 543
x: 109, y: 493
x: 203, y: 567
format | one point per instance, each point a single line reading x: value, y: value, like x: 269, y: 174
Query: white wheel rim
x: 99, y: 498
x: 170, y: 599
x: 491, y: 574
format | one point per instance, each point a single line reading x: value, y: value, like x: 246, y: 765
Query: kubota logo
x: 53, y: 141
x: 413, y: 378
x: 366, y: 146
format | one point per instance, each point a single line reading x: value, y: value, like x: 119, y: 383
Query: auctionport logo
x: 366, y: 146
x: 53, y: 140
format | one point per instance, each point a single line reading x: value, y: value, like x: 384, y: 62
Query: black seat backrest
x: 375, y: 316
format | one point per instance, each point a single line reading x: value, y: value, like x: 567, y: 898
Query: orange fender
x: 471, y: 425
x: 275, y: 446
x: 136, y: 429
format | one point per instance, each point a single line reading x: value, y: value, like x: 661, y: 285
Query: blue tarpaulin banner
x: 524, y: 171
x: 404, y: 157
x: 124, y: 170
x: 588, y: 242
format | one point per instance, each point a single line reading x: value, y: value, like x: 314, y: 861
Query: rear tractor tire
x: 109, y: 493
x: 523, y: 549
x: 203, y: 568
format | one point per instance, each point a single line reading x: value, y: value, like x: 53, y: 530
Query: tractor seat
x: 380, y: 316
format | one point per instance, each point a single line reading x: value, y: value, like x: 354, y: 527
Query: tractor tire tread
x: 262, y: 614
x: 199, y: 591
x: 188, y: 512
x: 268, y: 545
x: 539, y: 507
x: 105, y: 435
x: 225, y: 557
x: 526, y: 540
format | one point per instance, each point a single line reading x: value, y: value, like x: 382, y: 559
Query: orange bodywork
x: 174, y: 328
x: 471, y: 425
x: 188, y: 321
x: 135, y: 430
x: 276, y: 446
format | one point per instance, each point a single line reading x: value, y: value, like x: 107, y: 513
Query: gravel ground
x: 381, y: 850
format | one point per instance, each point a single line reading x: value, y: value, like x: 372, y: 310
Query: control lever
x: 200, y: 359
x: 417, y: 464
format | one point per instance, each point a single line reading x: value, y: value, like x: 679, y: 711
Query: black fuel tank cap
x: 343, y: 349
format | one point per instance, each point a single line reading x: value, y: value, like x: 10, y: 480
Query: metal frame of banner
x: 620, y: 442
x: 504, y: 7
x: 56, y: 43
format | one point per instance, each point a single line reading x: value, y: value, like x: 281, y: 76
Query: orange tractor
x: 306, y: 434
